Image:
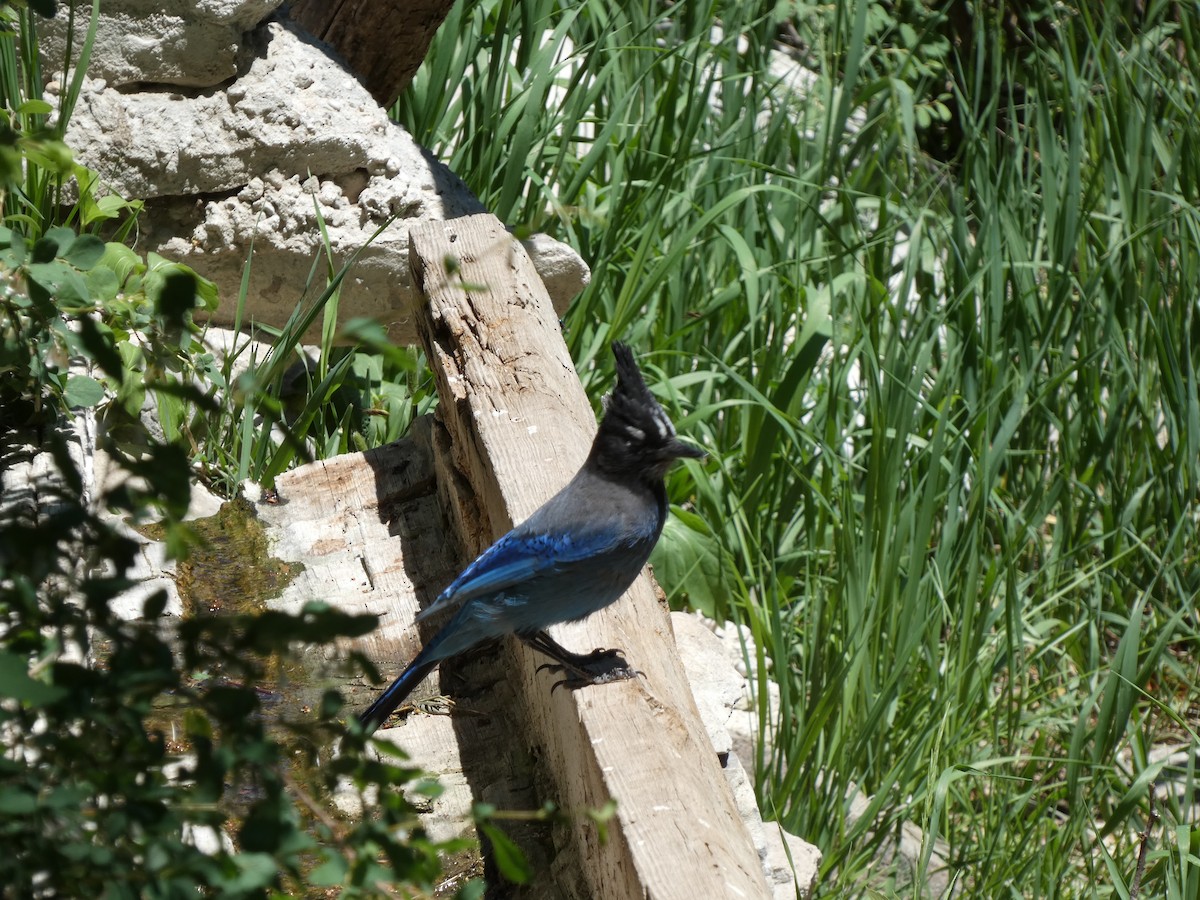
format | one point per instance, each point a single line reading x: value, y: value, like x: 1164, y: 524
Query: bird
x: 576, y: 554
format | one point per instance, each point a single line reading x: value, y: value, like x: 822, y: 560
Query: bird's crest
x: 631, y: 407
x: 635, y: 432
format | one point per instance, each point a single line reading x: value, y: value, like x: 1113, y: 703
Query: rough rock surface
x: 193, y: 43
x: 293, y: 144
x: 723, y: 698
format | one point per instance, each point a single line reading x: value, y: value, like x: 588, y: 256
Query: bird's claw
x: 584, y: 664
x: 574, y: 682
x: 580, y: 663
x: 598, y: 667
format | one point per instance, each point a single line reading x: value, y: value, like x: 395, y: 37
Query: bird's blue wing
x: 517, y: 558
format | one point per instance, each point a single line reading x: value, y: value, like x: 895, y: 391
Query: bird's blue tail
x: 377, y: 713
x: 464, y: 630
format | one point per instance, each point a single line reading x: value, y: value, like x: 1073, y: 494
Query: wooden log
x: 366, y: 528
x: 369, y: 531
x: 519, y: 426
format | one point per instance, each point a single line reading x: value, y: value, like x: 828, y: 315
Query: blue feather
x: 513, y: 559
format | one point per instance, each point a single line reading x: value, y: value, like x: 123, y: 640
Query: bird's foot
x: 574, y: 682
x: 582, y: 669
x: 585, y: 669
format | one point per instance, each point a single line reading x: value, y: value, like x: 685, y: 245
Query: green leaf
x: 97, y: 338
x: 132, y: 393
x: 267, y: 827
x: 197, y: 724
x: 601, y: 817
x: 76, y: 852
x: 206, y: 293
x: 65, y: 797
x: 688, y: 561
x: 103, y: 285
x: 508, y: 856
x: 82, y: 392
x: 16, y: 802
x: 14, y: 248
x: 63, y: 239
x: 16, y: 683
x: 124, y: 263
x: 255, y: 871
x: 112, y: 205
x: 64, y: 284
x: 332, y: 871
x: 44, y: 249
x: 54, y: 156
x: 35, y: 108
x: 175, y: 298
x: 165, y: 284
x: 85, y: 252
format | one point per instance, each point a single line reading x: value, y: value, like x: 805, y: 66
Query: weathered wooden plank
x: 371, y: 533
x: 519, y: 426
x: 367, y: 528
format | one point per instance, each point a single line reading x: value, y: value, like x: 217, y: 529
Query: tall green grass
x: 34, y: 162
x: 274, y: 403
x: 936, y: 317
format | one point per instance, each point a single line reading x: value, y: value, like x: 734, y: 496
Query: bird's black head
x: 636, y: 437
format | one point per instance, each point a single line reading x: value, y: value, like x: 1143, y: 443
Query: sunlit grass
x: 952, y: 404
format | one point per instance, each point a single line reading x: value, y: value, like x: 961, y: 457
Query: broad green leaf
x: 82, y: 392
x: 111, y: 204
x: 509, y: 859
x: 99, y: 341
x: 103, y: 285
x: 17, y: 802
x: 85, y: 252
x: 16, y: 683
x: 62, y: 238
x: 331, y: 872
x: 13, y: 248
x: 255, y: 871
x: 132, y: 393
x: 174, y: 296
x: 64, y: 284
x: 687, y: 562
x: 123, y: 262
x: 54, y: 156
x: 35, y: 108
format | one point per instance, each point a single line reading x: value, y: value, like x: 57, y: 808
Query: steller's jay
x: 575, y: 555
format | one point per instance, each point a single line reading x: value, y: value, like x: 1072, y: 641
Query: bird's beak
x: 677, y: 449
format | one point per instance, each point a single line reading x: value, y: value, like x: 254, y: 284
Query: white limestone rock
x: 295, y: 143
x: 722, y: 694
x: 192, y: 43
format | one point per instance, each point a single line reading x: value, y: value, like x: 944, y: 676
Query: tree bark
x: 382, y: 41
